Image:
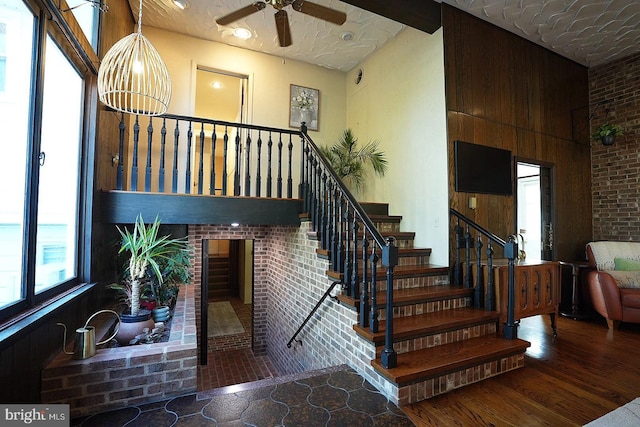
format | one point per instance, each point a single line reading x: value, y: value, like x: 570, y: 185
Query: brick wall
x: 123, y: 376
x: 615, y: 170
x: 289, y: 279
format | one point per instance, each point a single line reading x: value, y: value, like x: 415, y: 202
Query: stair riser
x: 412, y: 282
x: 387, y: 227
x: 451, y: 381
x: 442, y: 338
x: 421, y: 260
x: 426, y: 307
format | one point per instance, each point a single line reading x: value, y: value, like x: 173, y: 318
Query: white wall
x: 269, y: 80
x: 401, y: 102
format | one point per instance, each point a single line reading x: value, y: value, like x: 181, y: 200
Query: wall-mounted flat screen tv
x: 482, y: 169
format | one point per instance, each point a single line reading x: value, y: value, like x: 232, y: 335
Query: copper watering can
x: 85, y: 343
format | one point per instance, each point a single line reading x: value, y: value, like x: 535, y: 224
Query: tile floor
x: 237, y: 388
x: 330, y: 397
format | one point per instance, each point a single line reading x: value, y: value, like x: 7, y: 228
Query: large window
x: 41, y: 129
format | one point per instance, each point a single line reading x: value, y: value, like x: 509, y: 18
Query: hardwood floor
x: 584, y: 373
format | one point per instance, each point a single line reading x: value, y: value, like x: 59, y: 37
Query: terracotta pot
x: 130, y: 326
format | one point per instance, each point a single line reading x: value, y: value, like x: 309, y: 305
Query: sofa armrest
x: 605, y: 294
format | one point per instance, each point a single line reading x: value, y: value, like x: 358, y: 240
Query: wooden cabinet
x: 537, y: 290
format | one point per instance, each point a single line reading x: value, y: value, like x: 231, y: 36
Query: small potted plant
x: 607, y: 133
x: 174, y: 270
x: 145, y: 250
x: 351, y: 162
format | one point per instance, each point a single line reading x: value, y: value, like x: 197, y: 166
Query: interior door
x: 534, y: 195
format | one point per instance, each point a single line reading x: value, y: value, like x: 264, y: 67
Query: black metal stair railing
x: 346, y: 231
x: 484, y: 296
x: 189, y: 155
x: 231, y: 158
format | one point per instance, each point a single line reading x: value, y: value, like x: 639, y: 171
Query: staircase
x: 442, y: 342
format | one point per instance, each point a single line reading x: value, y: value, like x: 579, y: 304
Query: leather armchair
x: 616, y: 304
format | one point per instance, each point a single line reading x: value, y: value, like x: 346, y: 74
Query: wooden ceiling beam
x: 423, y: 15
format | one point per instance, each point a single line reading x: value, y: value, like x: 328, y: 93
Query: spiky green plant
x: 145, y: 249
x: 351, y: 162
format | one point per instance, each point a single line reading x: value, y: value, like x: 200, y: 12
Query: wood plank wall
x: 506, y: 92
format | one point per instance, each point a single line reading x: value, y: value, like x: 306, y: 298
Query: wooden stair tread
x: 415, y: 295
x: 431, y: 362
x: 402, y: 252
x: 400, y: 272
x: 428, y: 323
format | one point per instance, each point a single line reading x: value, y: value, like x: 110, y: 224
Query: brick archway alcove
x: 260, y: 235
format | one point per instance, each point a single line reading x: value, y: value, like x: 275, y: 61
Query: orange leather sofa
x: 614, y: 285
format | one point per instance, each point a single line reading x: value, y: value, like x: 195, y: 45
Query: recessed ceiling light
x: 216, y: 85
x: 235, y: 224
x: 242, y: 33
x: 346, y: 36
x: 181, y: 4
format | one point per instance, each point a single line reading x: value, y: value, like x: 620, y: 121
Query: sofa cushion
x: 605, y: 252
x: 624, y: 264
x: 626, y: 279
x: 630, y: 298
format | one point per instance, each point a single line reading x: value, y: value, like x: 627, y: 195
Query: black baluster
x: 212, y: 176
x: 313, y: 212
x: 347, y: 251
x: 225, y: 172
x: 373, y: 322
x: 328, y: 234
x: 355, y: 280
x: 290, y: 170
x: 279, y: 181
x: 176, y: 138
x: 317, y: 196
x: 491, y: 298
x: 340, y: 227
x: 335, y: 222
x: 468, y: 278
x: 479, y: 289
x: 163, y: 144
x: 120, y: 170
x: 147, y: 172
x: 201, y: 160
x: 247, y: 172
x: 258, y: 177
x: 269, y: 165
x: 134, y: 163
x: 364, y: 297
x: 457, y: 264
x: 308, y: 188
x: 187, y: 183
x: 324, y: 213
x: 236, y: 175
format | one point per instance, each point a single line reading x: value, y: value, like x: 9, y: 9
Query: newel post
x: 510, y: 329
x: 389, y: 357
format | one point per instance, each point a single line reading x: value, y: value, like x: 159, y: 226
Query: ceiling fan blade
x: 321, y: 12
x: 282, y: 27
x: 241, y: 13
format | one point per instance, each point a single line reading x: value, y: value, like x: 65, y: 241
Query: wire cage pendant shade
x: 133, y: 78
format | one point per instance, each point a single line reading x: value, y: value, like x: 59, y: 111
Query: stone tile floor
x: 329, y: 397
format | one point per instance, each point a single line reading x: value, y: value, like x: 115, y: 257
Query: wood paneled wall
x: 506, y: 92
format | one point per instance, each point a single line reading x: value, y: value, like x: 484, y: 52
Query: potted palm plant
x: 351, y: 162
x: 145, y: 250
x: 607, y: 133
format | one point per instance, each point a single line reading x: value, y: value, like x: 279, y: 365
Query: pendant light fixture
x: 133, y: 78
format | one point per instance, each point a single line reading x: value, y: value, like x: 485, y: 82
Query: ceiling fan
x: 281, y: 17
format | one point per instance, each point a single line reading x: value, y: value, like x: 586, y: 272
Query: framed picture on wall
x: 304, y: 107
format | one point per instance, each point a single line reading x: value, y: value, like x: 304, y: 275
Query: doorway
x: 219, y: 95
x: 534, y: 198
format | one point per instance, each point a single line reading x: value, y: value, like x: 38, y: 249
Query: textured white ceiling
x: 590, y: 32
x: 314, y: 40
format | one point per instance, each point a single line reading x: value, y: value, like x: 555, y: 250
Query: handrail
x: 510, y: 328
x: 478, y: 227
x: 320, y: 301
x: 320, y: 171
